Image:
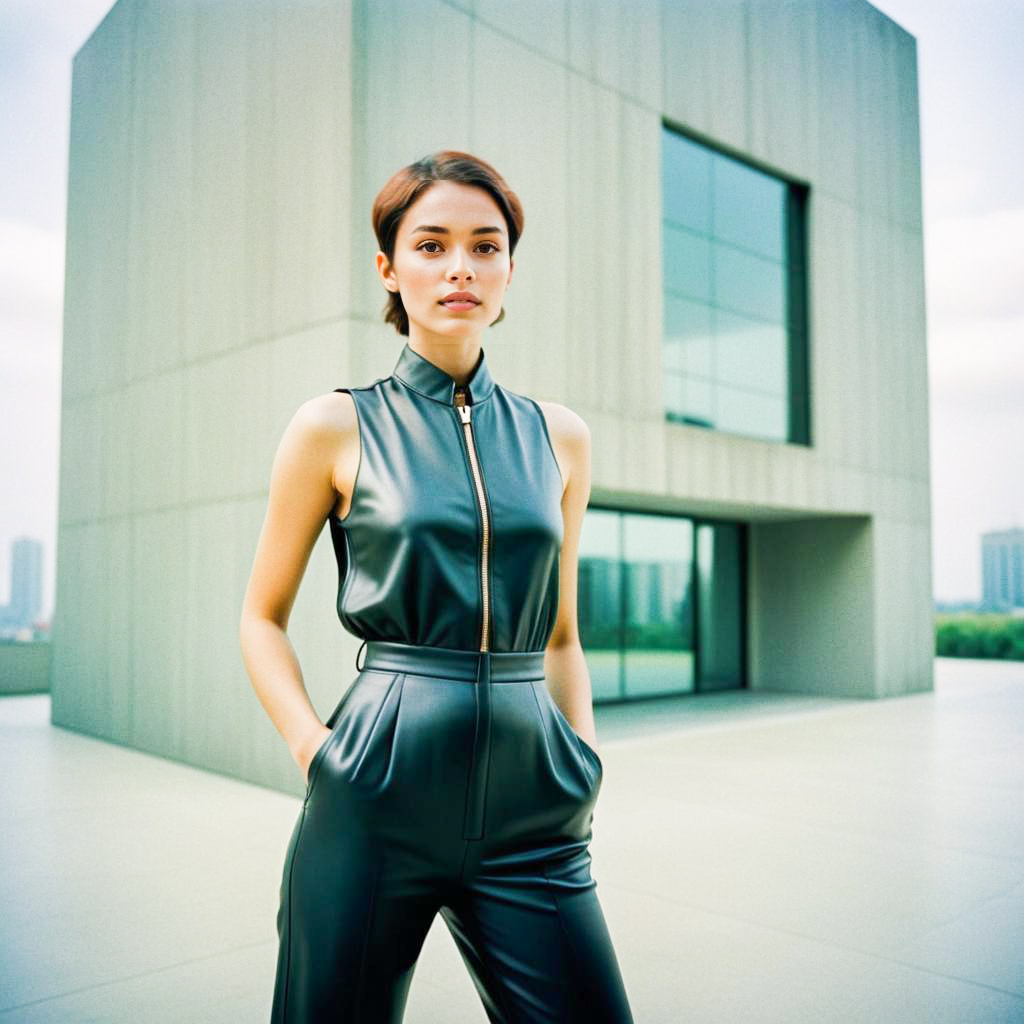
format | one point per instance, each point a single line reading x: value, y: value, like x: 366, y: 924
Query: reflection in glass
x: 733, y: 293
x: 750, y: 354
x: 673, y: 390
x: 659, y: 596
x: 687, y: 263
x: 748, y: 284
x: 749, y: 207
x: 599, y: 600
x: 656, y: 574
x: 753, y: 413
x: 688, y: 336
x: 699, y: 401
x: 686, y: 170
x: 719, y: 601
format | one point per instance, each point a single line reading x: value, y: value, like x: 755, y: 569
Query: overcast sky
x: 971, y: 112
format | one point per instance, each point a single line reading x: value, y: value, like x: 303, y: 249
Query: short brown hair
x: 406, y: 186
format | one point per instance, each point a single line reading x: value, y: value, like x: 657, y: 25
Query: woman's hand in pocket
x: 308, y: 749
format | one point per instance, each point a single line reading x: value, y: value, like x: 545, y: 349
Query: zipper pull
x: 460, y: 404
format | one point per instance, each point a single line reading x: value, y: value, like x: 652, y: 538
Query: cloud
x: 977, y: 465
x: 976, y: 412
x: 978, y: 364
x: 951, y: 188
x: 31, y: 291
x: 975, y: 274
x: 65, y: 22
x: 31, y: 315
x: 975, y: 278
x: 975, y: 266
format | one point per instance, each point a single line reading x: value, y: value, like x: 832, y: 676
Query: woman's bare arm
x: 302, y: 494
x: 565, y: 665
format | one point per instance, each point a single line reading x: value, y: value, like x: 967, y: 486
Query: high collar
x: 430, y: 380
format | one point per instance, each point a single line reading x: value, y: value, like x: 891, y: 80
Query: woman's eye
x: 423, y: 246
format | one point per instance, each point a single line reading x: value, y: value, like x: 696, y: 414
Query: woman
x: 459, y: 772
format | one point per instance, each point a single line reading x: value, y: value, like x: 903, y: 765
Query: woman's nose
x: 460, y: 265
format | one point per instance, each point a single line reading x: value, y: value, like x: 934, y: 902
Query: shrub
x: 979, y: 635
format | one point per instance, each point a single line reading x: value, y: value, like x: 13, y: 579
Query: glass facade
x: 660, y: 604
x: 735, y: 341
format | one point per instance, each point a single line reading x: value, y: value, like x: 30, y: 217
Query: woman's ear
x: 386, y: 272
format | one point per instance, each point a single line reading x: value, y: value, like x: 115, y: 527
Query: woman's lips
x: 460, y: 305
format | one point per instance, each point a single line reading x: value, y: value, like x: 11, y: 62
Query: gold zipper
x: 467, y: 432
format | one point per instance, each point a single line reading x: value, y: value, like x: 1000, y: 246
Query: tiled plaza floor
x: 760, y: 858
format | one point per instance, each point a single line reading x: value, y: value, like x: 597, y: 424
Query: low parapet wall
x: 24, y: 667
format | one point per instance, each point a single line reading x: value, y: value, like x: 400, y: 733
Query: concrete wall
x: 224, y: 159
x: 826, y: 94
x: 24, y: 667
x: 207, y: 297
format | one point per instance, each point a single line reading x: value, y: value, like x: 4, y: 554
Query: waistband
x: 451, y: 663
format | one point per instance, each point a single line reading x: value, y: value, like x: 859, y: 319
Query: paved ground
x: 760, y: 858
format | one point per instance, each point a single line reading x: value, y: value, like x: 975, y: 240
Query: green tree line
x: 977, y: 635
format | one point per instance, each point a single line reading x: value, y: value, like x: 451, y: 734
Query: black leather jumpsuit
x: 450, y: 782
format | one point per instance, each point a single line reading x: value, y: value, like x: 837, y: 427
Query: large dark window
x: 735, y: 341
x: 660, y: 603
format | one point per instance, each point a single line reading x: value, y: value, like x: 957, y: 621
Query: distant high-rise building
x: 26, y: 582
x: 1002, y: 569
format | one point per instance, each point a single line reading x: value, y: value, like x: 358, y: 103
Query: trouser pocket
x: 586, y: 756
x: 332, y: 724
x: 358, y: 750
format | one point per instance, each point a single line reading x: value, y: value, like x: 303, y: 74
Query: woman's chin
x: 453, y: 326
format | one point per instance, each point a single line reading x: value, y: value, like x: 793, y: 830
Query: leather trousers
x: 450, y: 783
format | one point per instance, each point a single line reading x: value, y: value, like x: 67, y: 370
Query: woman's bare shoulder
x: 330, y: 414
x: 569, y: 427
x: 570, y: 438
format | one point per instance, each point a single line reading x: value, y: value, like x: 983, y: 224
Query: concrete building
x: 721, y: 271
x: 26, y: 602
x: 1002, y: 569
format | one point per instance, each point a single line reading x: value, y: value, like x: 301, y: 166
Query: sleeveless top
x: 455, y: 528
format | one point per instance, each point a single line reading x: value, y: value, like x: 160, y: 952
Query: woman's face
x: 452, y: 239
